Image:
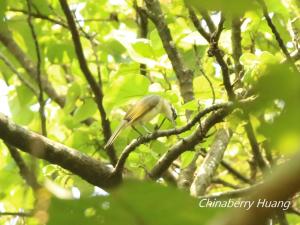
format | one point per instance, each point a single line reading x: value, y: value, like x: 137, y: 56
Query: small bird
x: 143, y: 111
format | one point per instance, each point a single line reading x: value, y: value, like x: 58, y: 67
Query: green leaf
x: 19, y: 104
x: 86, y: 110
x: 3, y: 5
x: 22, y: 34
x: 57, y: 50
x: 187, y: 158
x: 156, y: 43
x: 203, y: 89
x: 139, y: 50
x: 230, y: 7
x: 133, y: 202
x: 42, y: 6
x: 191, y: 105
x: 249, y: 59
x: 143, y: 48
x: 80, y: 139
x: 256, y: 65
x: 73, y: 94
x: 25, y: 95
x: 278, y: 103
x: 293, y: 219
x: 125, y: 87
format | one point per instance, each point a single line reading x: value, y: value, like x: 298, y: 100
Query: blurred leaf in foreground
x: 278, y: 101
x: 132, y: 203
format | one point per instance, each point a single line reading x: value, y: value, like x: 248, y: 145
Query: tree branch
x: 197, y: 24
x: 231, y: 194
x: 255, y: 147
x: 164, y: 133
x: 295, y: 55
x: 276, y: 33
x: 224, y: 183
x: 187, y: 143
x: 90, y: 79
x: 211, y: 26
x: 237, y: 52
x: 20, y: 76
x: 210, y: 164
x: 281, y: 185
x: 229, y: 106
x: 186, y: 175
x: 184, y: 75
x: 236, y: 40
x: 217, y: 53
x: 25, y: 172
x: 29, y: 66
x: 230, y: 169
x: 235, y: 173
x: 70, y: 159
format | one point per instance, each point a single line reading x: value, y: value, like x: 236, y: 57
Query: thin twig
x: 236, y: 41
x: 276, y: 33
x: 224, y: 183
x: 164, y: 133
x: 183, y: 74
x: 62, y: 23
x: 231, y: 170
x: 6, y: 38
x: 198, y: 25
x: 21, y: 214
x: 231, y: 194
x: 40, y: 16
x: 254, y: 146
x: 25, y: 172
x: 38, y: 70
x: 216, y: 51
x: 142, y: 22
x: 204, y: 75
x: 94, y: 48
x: 188, y: 143
x: 211, y: 26
x: 20, y: 76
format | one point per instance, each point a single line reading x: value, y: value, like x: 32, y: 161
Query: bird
x: 144, y: 111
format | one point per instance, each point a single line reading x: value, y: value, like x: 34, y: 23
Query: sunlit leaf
x: 86, y: 110
x: 228, y: 6
x: 125, y: 88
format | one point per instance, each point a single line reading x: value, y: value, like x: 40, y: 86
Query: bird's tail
x: 116, y: 134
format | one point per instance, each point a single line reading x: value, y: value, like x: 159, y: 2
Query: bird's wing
x: 116, y: 134
x: 141, y: 108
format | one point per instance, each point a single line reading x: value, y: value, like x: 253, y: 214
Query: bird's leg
x: 146, y: 129
x: 158, y: 127
x: 136, y: 130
